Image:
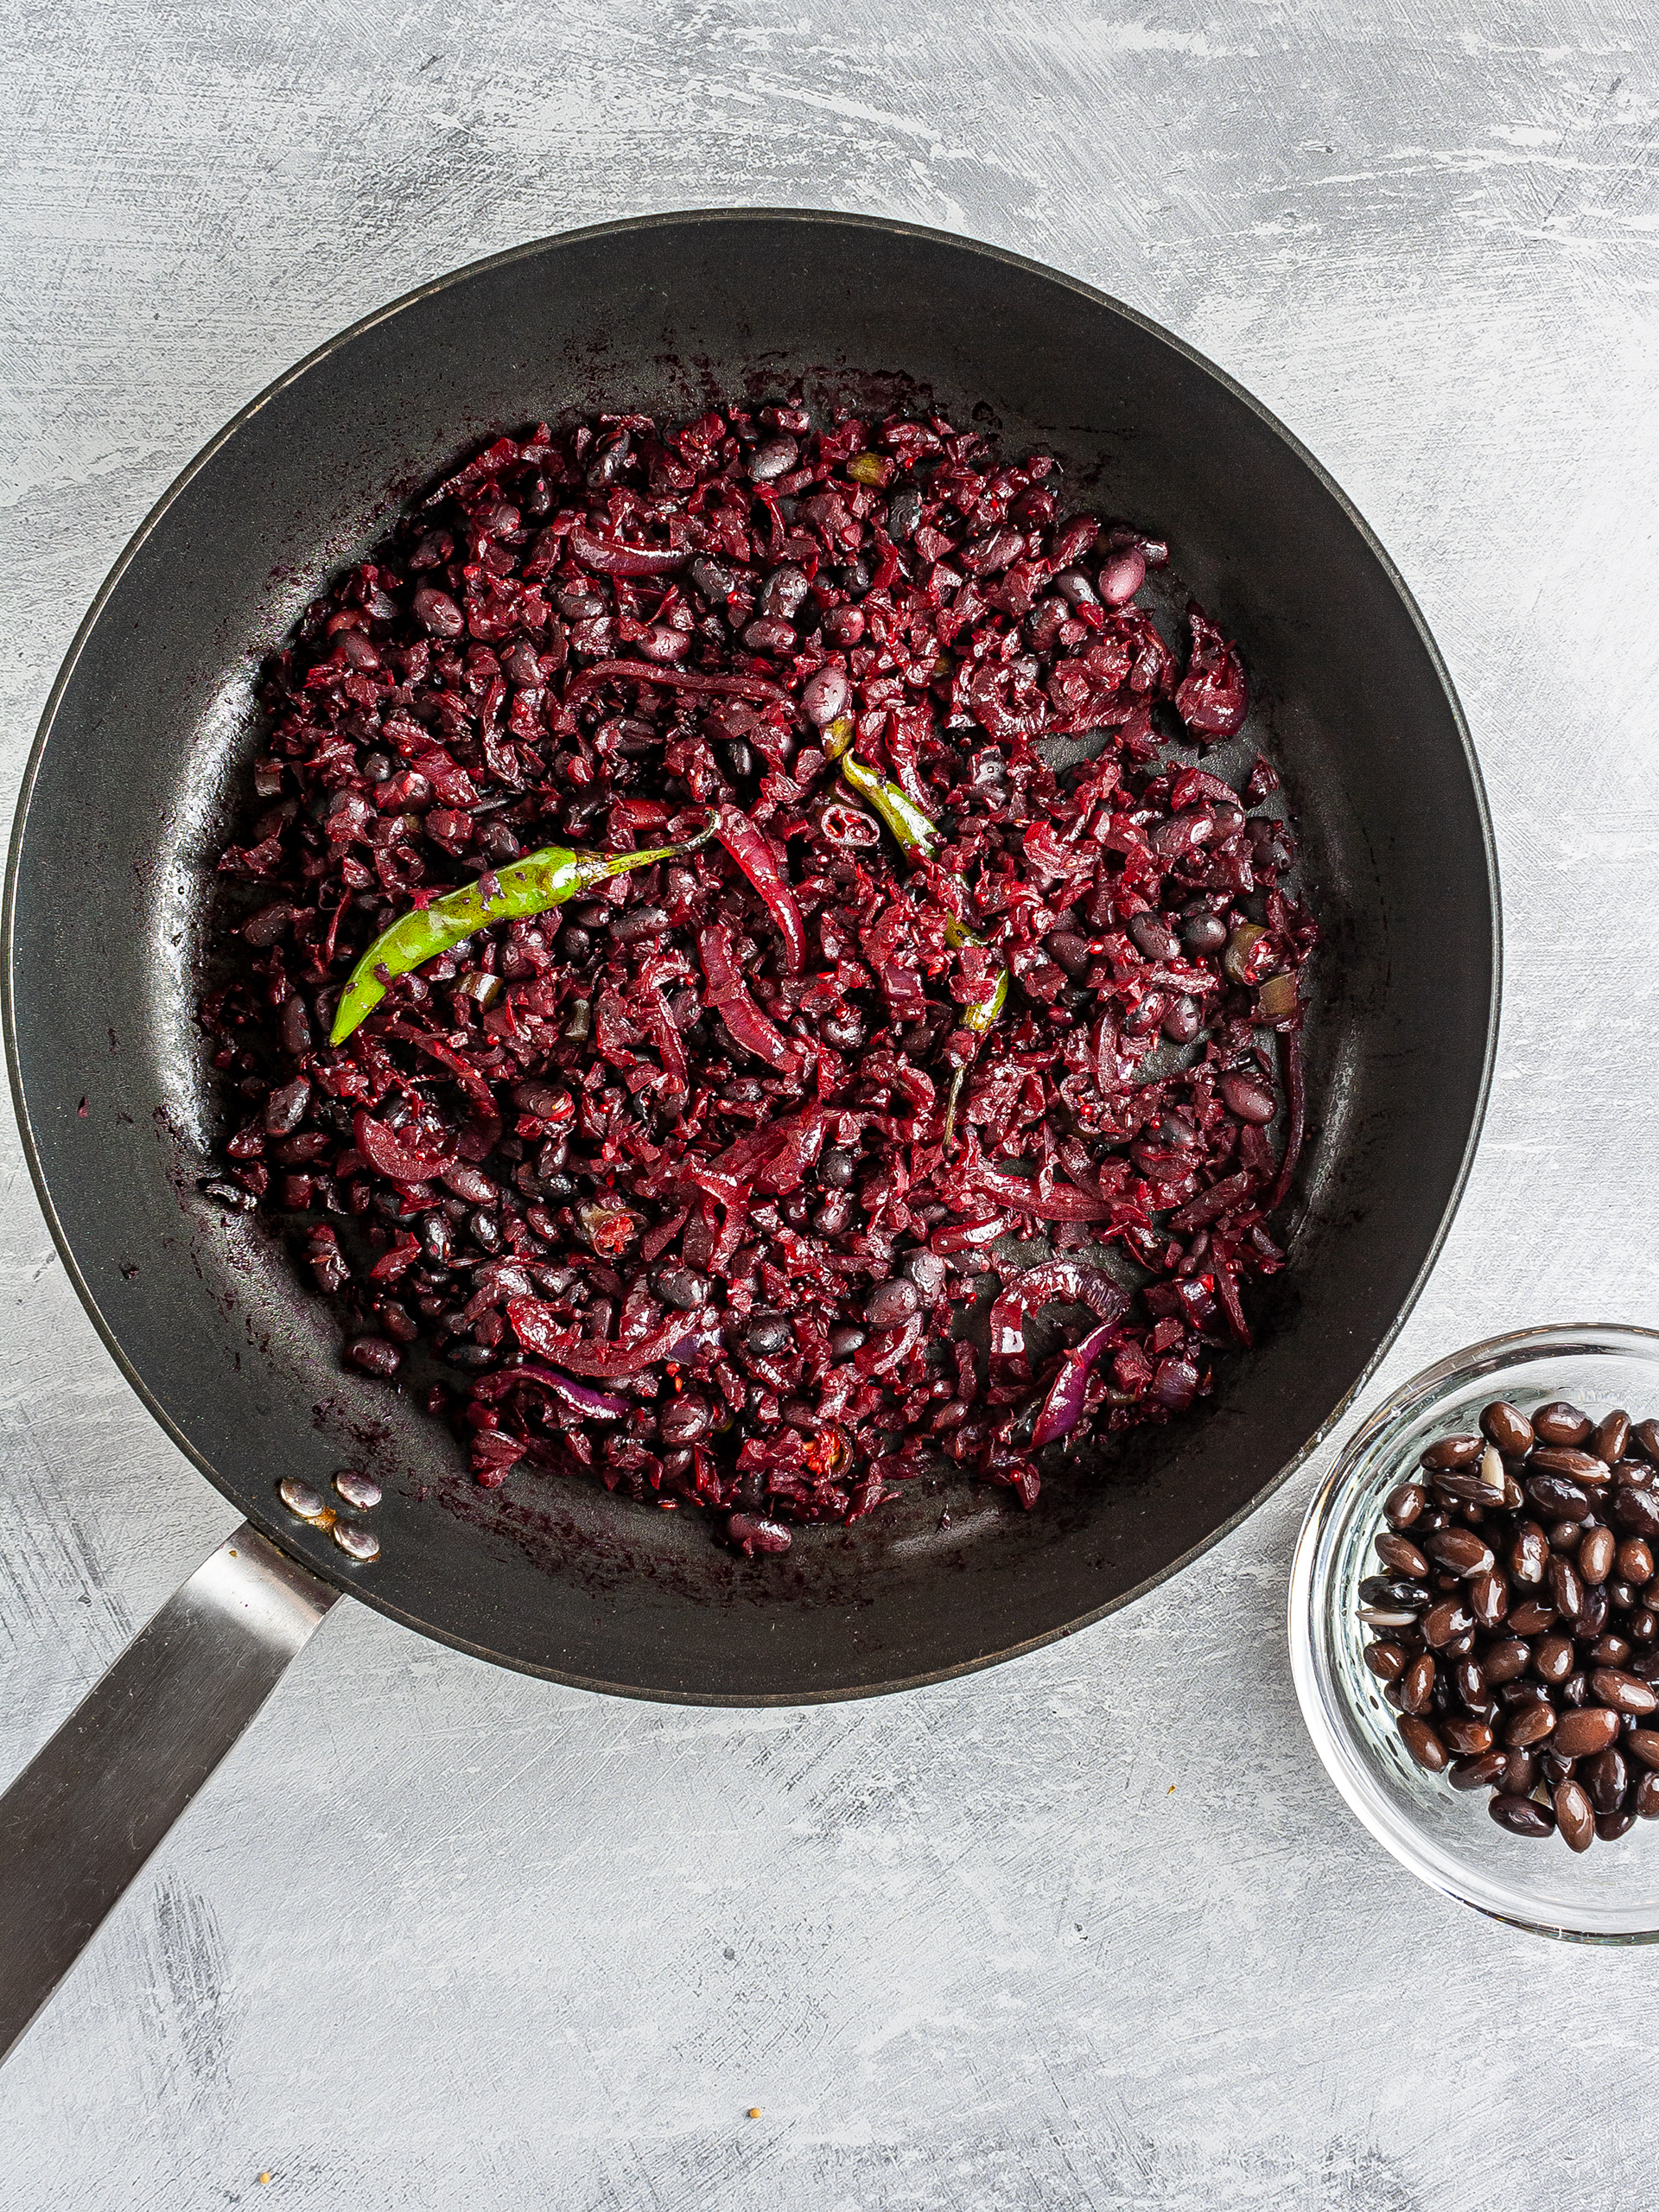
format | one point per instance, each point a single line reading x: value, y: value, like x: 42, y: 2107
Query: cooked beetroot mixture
x: 656, y: 1181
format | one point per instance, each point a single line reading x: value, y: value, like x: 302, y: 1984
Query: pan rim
x: 341, y: 1578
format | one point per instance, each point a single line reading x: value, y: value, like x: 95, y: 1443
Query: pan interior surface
x: 143, y: 766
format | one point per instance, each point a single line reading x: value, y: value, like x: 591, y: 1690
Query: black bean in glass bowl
x: 1520, y: 1871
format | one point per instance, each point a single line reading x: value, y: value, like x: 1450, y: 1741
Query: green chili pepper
x: 976, y: 1020
x: 524, y: 887
x: 918, y: 840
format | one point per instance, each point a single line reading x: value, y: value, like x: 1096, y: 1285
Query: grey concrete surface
x: 1093, y: 1930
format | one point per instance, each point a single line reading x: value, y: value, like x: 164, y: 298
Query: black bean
x: 1610, y: 1651
x: 1489, y: 1598
x: 767, y: 1335
x: 1182, y: 1022
x: 1521, y: 1815
x: 1153, y: 936
x: 1423, y: 1743
x: 1610, y: 1826
x: 1520, y: 1773
x: 476, y: 1358
x: 1528, y: 1725
x: 1564, y: 1459
x: 1634, y: 1560
x: 1560, y: 1423
x: 1592, y: 1728
x: 1503, y: 1661
x: 837, y: 1167
x: 1071, y: 952
x: 1596, y: 1554
x: 295, y: 1026
x: 890, y: 1304
x: 926, y: 1270
x: 1386, y: 1660
x: 374, y: 1355
x: 1610, y: 1438
x: 1552, y: 1658
x: 635, y: 922
x: 1625, y: 1692
x: 285, y: 1108
x: 1464, y: 1490
x: 1468, y: 1739
x: 1560, y: 1499
x: 1388, y: 1590
x: 1645, y: 1437
x: 1401, y: 1555
x: 1531, y: 1616
x: 1468, y: 1680
x: 774, y: 457
x: 1404, y: 1506
x: 845, y: 1341
x: 1606, y: 1777
x: 1444, y: 1623
x: 1450, y: 1452
x: 1477, y: 1773
x: 685, y: 1419
x: 1204, y: 932
x: 1512, y: 1696
x: 1646, y: 1796
x: 1565, y: 1587
x: 782, y: 593
x: 1417, y: 1684
x: 1246, y: 1096
x: 682, y: 1288
x: 712, y: 578
x: 1459, y: 1550
x: 1505, y: 1427
x: 436, y: 612
x: 1636, y: 1511
x: 1575, y: 1817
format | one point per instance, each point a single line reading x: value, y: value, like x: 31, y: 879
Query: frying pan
x: 141, y: 764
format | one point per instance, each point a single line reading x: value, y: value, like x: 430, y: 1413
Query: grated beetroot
x: 658, y: 1178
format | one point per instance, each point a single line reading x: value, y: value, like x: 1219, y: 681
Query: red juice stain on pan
x: 696, y: 1177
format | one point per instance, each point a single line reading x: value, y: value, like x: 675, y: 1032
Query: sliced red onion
x: 1062, y: 1408
x: 1175, y: 1384
x: 1052, y: 1282
x: 592, y: 1405
x: 609, y: 559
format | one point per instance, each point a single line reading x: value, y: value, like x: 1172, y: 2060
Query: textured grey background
x: 1093, y: 1930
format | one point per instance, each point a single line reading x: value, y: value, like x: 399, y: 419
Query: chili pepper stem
x: 952, y: 1100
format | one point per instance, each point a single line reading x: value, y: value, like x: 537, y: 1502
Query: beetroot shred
x: 657, y: 1178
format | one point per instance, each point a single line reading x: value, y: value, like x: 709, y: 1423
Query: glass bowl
x: 1446, y: 1836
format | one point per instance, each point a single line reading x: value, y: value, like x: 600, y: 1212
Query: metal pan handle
x: 86, y: 1814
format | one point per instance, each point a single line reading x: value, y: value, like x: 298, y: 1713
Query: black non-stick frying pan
x: 142, y: 760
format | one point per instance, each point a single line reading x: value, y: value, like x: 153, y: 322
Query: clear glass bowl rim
x: 1318, y: 1696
